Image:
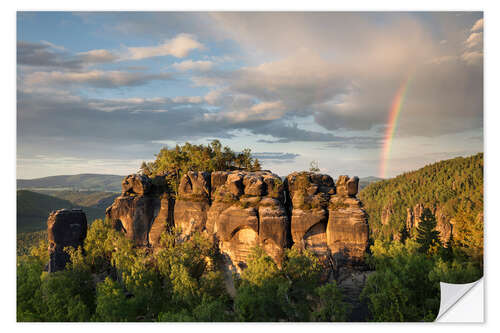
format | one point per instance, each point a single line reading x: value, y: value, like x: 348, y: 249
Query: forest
x: 109, y: 279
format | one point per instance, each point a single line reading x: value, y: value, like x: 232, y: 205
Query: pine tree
x: 404, y: 234
x: 427, y: 235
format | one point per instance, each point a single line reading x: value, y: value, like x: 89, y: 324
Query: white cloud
x: 477, y: 26
x: 472, y: 57
x: 475, y: 39
x: 98, y: 56
x: 96, y: 78
x: 189, y: 65
x: 263, y: 111
x: 52, y: 45
x: 179, y: 47
x: 188, y: 99
x: 442, y: 59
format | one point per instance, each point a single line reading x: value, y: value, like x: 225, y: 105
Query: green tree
x: 427, y: 235
x: 400, y: 288
x: 331, y: 305
x: 314, y: 166
x: 28, y: 282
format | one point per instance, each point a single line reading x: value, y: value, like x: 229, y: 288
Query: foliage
x: 29, y: 270
x: 27, y: 240
x: 290, y: 293
x: 455, y: 186
x: 427, y: 236
x: 62, y: 296
x: 405, y: 284
x: 331, y: 304
x: 175, y: 162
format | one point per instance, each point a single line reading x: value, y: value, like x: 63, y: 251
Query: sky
x: 102, y: 92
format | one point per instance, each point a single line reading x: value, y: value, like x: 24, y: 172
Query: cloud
x: 442, y: 59
x: 37, y: 54
x: 279, y: 156
x: 474, y: 39
x: 472, y: 57
x: 98, y: 56
x: 263, y: 111
x: 189, y: 65
x: 94, y: 78
x: 477, y: 26
x: 179, y: 47
x: 351, y: 89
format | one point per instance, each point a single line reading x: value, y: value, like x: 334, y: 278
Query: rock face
x: 443, y: 222
x: 347, y: 231
x: 242, y: 209
x: 140, y: 212
x: 413, y: 216
x: 248, y: 210
x: 309, y: 194
x: 193, y: 202
x: 64, y: 228
x: 327, y: 218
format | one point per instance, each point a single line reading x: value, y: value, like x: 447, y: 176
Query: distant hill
x: 34, y: 208
x: 365, y: 181
x: 96, y: 199
x: 87, y: 181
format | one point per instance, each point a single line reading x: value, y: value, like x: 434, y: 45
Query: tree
x: 173, y: 163
x: 427, y: 235
x: 314, y: 166
x: 404, y: 234
x: 400, y: 288
x: 330, y: 305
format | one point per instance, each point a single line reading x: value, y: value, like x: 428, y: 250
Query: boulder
x: 195, y: 184
x: 136, y: 184
x: 64, y: 228
x: 347, y: 186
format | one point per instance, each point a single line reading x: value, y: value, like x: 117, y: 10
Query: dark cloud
x: 41, y: 55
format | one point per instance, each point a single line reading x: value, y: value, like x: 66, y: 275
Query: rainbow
x: 392, y: 121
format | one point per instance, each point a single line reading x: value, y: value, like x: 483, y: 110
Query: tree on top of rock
x: 427, y: 235
x: 175, y: 162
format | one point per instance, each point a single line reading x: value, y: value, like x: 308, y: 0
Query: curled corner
x: 452, y: 294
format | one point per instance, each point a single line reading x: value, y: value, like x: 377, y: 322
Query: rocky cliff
x: 444, y: 223
x: 242, y: 209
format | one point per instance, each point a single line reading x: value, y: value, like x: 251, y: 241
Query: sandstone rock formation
x: 413, y: 216
x: 347, y: 231
x: 309, y: 194
x: 64, y: 228
x: 193, y: 202
x: 242, y: 209
x: 327, y: 218
x: 139, y: 212
x: 248, y: 210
